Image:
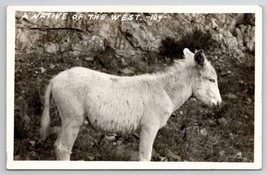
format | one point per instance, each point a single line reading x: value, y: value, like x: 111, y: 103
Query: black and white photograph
x: 134, y: 87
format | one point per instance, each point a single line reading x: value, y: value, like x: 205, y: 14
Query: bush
x: 194, y: 40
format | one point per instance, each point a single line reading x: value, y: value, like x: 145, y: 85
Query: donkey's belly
x: 113, y: 126
x: 110, y: 123
x: 113, y: 117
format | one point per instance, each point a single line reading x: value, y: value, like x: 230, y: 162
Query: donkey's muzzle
x: 217, y: 104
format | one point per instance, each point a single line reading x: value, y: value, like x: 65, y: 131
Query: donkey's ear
x: 188, y: 53
x: 200, y: 57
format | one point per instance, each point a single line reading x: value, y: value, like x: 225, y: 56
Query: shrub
x: 194, y: 40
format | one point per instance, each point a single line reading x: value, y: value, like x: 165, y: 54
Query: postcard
x: 134, y: 87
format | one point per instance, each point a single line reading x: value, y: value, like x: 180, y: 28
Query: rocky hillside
x: 130, y: 40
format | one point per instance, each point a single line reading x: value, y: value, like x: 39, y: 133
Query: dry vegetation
x: 193, y: 133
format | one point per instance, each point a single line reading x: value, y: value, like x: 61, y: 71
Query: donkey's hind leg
x: 69, y: 131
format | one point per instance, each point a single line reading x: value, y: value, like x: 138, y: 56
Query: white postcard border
x: 99, y: 165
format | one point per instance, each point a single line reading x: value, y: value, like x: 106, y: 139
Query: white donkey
x: 124, y: 104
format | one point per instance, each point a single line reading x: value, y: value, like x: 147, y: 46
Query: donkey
x: 125, y: 104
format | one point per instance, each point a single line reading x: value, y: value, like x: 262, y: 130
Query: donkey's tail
x: 45, y: 120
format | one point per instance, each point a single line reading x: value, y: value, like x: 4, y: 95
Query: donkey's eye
x: 212, y: 80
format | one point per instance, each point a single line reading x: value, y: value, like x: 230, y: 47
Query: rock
x: 26, y: 120
x: 222, y: 153
x: 242, y: 28
x: 231, y: 136
x: 214, y: 23
x: 211, y: 123
x: 204, y: 132
x: 65, y: 45
x: 230, y: 40
x: 244, y: 159
x: 241, y: 82
x: 223, y: 121
x: 51, y: 47
x: 127, y: 71
x: 111, y: 137
x: 250, y: 38
x: 173, y: 156
x: 42, y: 69
x: 52, y: 66
x: 239, y: 155
x: 123, y: 62
x: 239, y: 37
x: 89, y: 59
x: 249, y: 101
x: 119, y: 142
x: 32, y: 143
x: 32, y: 155
x: 90, y: 158
x: 130, y: 37
x: 75, y: 53
x: 17, y: 157
x: 224, y: 73
x: 245, y: 37
x: 231, y: 96
x: 97, y: 43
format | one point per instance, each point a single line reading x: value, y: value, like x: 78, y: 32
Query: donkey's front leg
x: 147, y: 137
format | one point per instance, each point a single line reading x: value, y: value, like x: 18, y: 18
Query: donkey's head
x: 205, y: 87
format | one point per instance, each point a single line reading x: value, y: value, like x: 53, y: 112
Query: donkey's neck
x: 177, y: 82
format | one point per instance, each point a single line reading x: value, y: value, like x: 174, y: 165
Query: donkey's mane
x: 178, y: 66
